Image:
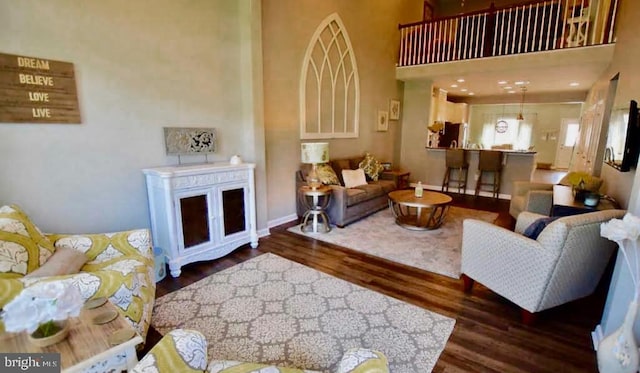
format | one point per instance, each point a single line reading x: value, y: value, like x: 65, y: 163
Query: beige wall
x: 549, y: 118
x: 288, y: 26
x: 140, y: 65
x: 624, y: 187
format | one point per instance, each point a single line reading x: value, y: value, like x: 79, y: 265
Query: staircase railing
x: 529, y: 27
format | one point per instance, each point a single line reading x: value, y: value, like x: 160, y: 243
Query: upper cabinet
x: 456, y: 113
x: 447, y: 111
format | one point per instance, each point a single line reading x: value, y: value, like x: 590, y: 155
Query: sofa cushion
x: 372, y: 189
x: 64, y: 261
x: 353, y: 178
x: 326, y: 174
x: 355, y: 196
x: 372, y: 168
x: 23, y: 248
x: 386, y: 185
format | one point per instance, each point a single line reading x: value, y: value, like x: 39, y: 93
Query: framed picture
x: 394, y: 109
x: 383, y: 121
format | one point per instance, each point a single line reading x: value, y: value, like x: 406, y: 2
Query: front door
x: 569, y: 129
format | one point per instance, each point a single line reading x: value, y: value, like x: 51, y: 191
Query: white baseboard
x: 282, y: 220
x: 263, y: 232
x: 438, y: 188
x: 596, y: 337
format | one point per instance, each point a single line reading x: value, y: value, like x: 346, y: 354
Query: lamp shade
x: 315, y: 152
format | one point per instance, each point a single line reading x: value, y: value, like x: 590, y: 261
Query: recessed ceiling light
x: 460, y: 80
x: 508, y: 87
x: 471, y: 93
x: 454, y: 86
x: 464, y: 89
x: 502, y: 82
x: 574, y: 84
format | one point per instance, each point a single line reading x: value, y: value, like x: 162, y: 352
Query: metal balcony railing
x: 531, y: 27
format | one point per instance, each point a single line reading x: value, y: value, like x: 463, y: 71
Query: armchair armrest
x: 363, y: 360
x: 95, y: 246
x: 512, y: 265
x: 520, y: 188
x: 181, y: 350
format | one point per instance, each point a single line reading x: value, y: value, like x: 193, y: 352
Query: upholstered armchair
x: 183, y: 350
x: 529, y: 196
x: 564, y: 263
x: 538, y: 197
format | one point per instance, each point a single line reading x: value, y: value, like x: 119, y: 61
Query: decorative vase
x: 40, y: 341
x: 618, y: 352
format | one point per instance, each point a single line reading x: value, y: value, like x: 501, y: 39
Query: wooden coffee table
x: 87, y: 347
x: 419, y: 213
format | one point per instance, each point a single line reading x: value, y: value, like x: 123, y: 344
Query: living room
x: 235, y: 66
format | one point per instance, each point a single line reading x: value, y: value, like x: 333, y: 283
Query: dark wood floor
x: 488, y: 336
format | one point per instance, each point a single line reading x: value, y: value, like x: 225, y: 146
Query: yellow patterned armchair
x: 183, y: 350
x: 118, y: 266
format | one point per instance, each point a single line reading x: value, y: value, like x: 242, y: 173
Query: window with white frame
x: 505, y: 129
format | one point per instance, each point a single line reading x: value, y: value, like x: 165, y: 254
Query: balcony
x: 526, y: 28
x: 559, y: 68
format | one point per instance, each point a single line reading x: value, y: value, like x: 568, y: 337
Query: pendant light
x: 520, y: 114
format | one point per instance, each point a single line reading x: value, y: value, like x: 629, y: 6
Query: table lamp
x: 314, y: 153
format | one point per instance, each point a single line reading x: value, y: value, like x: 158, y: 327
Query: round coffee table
x: 419, y: 213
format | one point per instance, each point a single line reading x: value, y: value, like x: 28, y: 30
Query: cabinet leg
x: 175, y: 269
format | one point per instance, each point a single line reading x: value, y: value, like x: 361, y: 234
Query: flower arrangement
x: 37, y: 308
x: 618, y: 352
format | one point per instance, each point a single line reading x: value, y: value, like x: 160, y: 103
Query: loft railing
x: 530, y: 27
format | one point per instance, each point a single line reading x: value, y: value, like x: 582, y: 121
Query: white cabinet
x: 201, y: 212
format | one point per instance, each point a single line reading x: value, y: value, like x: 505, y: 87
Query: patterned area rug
x: 435, y: 251
x: 269, y: 309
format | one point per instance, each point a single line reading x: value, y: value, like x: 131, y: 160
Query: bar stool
x: 456, y: 161
x: 490, y: 162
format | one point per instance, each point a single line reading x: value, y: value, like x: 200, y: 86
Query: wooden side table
x: 87, y: 348
x: 564, y: 203
x: 401, y: 176
x: 316, y: 202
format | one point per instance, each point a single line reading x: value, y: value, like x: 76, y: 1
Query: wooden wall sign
x: 35, y: 90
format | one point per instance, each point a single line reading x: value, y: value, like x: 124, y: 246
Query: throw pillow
x: 23, y: 248
x: 64, y: 261
x: 371, y: 166
x: 229, y: 366
x: 534, y: 230
x: 327, y: 175
x: 353, y: 178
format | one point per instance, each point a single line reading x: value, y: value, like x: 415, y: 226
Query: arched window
x: 329, y: 84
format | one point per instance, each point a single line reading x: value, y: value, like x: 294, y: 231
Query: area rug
x: 436, y: 251
x: 270, y: 309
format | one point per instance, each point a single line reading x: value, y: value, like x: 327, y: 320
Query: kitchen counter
x: 517, y: 165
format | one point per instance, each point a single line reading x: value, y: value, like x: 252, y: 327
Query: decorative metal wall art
x: 189, y: 141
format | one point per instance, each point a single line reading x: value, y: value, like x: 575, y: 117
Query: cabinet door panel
x: 195, y: 220
x: 233, y: 210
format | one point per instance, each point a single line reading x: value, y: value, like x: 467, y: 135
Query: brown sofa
x: 350, y: 204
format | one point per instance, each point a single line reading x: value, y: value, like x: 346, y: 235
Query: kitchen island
x: 517, y: 165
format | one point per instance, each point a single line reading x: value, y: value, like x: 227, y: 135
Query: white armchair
x: 563, y: 264
x: 529, y: 196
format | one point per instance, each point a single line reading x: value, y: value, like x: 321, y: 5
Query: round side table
x: 316, y: 202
